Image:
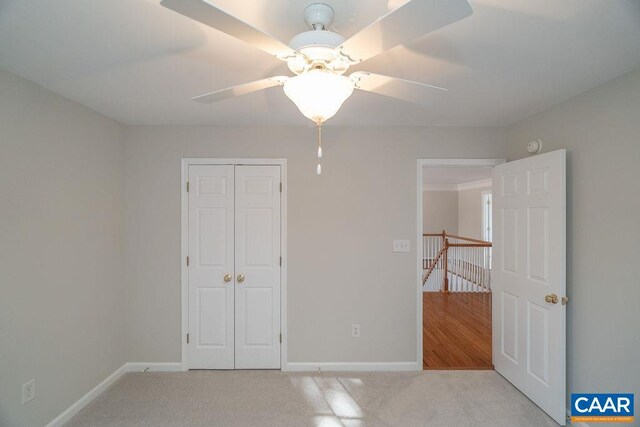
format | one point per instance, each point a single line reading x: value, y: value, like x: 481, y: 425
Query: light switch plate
x: 401, y: 245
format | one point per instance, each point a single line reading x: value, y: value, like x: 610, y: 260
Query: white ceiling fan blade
x: 243, y: 89
x: 208, y: 14
x: 401, y: 25
x: 406, y: 90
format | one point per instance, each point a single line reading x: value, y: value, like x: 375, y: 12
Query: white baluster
x: 457, y: 270
x: 479, y: 267
x: 486, y: 267
x: 476, y: 268
x: 483, y: 266
x: 467, y: 252
x: 452, y: 269
x: 472, y: 269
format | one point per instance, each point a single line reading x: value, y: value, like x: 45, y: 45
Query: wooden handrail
x: 470, y: 245
x: 451, y: 236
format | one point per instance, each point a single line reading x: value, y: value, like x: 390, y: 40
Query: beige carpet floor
x: 274, y: 398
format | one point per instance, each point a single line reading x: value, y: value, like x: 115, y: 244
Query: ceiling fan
x: 319, y: 58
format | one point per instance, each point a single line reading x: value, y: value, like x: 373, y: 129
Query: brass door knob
x: 240, y: 278
x: 551, y: 299
x: 228, y: 277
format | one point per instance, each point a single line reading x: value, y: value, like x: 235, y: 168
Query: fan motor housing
x: 316, y: 38
x: 319, y: 46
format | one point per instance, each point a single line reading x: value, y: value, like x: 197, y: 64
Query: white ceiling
x: 451, y: 176
x: 140, y: 63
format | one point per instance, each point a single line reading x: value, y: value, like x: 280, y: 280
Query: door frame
x: 184, y: 245
x: 444, y: 163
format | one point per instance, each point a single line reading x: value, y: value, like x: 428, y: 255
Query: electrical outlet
x: 401, y: 245
x: 28, y: 391
x: 355, y: 331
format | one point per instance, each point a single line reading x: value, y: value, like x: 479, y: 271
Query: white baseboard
x: 100, y: 388
x: 72, y: 410
x: 351, y: 366
x: 154, y: 367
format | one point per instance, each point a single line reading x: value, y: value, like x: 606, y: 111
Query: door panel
x: 212, y: 319
x: 529, y: 333
x: 257, y: 258
x: 211, y: 249
x: 259, y: 311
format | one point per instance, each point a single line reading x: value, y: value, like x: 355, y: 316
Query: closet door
x: 257, y: 261
x: 211, y: 258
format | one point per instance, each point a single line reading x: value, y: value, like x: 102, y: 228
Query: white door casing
x: 529, y: 263
x: 257, y: 259
x: 211, y: 257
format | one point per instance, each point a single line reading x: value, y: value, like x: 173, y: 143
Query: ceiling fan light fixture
x: 318, y: 93
x: 320, y: 57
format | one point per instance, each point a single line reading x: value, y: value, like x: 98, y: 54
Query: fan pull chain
x: 319, y: 169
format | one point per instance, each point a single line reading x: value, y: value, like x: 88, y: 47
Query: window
x: 486, y: 223
x: 486, y: 216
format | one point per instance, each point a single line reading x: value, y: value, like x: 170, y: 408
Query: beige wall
x: 341, y: 225
x: 62, y: 311
x: 470, y: 212
x: 601, y: 131
x: 440, y: 211
x: 70, y: 322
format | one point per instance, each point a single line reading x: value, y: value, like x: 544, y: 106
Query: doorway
x: 528, y: 266
x: 456, y: 269
x: 233, y: 281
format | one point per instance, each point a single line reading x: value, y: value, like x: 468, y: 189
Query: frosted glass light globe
x: 318, y: 93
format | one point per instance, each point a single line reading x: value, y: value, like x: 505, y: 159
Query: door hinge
x: 187, y: 261
x: 281, y: 187
x: 187, y: 337
x: 280, y: 261
x: 280, y: 338
x: 187, y: 186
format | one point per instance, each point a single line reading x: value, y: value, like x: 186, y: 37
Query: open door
x: 529, y: 278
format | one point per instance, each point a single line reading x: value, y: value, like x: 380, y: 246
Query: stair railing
x: 462, y: 264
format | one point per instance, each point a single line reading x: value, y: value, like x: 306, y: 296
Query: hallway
x: 457, y: 330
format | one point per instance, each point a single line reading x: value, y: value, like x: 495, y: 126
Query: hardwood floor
x: 457, y: 330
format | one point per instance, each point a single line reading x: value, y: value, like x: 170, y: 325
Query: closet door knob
x: 240, y: 278
x: 228, y: 277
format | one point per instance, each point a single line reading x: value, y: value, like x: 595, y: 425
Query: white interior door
x: 529, y: 324
x: 211, y: 257
x: 257, y: 260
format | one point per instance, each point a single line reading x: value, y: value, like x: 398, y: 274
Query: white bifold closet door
x: 257, y: 259
x: 234, y: 267
x: 211, y: 253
